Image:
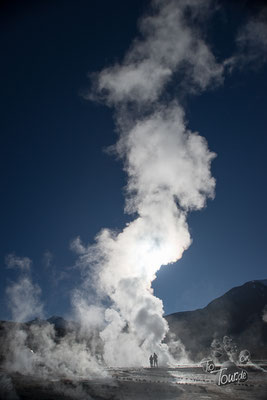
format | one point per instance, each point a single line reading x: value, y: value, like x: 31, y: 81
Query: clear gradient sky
x: 57, y: 182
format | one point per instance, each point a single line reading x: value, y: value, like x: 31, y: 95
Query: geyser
x: 168, y: 169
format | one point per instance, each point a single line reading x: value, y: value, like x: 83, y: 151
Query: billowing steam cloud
x: 37, y: 347
x: 169, y: 44
x: 23, y: 295
x: 21, y: 263
x: 168, y: 170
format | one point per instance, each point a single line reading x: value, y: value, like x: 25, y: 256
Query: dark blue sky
x: 57, y: 182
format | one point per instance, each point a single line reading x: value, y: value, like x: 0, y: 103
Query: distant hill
x: 238, y: 313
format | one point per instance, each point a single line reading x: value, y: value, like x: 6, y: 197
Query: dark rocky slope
x: 238, y: 313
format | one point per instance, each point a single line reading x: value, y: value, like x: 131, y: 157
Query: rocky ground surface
x: 182, y: 383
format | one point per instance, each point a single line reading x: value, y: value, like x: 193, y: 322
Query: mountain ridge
x: 238, y: 313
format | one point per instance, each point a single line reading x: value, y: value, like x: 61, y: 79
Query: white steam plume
x: 168, y: 170
x: 23, y: 296
x: 22, y: 263
x: 37, y: 348
x: 169, y: 44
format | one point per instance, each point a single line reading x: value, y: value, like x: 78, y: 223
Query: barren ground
x: 181, y: 383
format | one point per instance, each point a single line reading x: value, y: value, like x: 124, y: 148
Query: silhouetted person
x: 155, y: 359
x: 151, y: 359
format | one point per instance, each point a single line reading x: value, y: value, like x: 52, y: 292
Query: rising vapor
x: 169, y: 175
x: 168, y: 169
x: 23, y: 295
